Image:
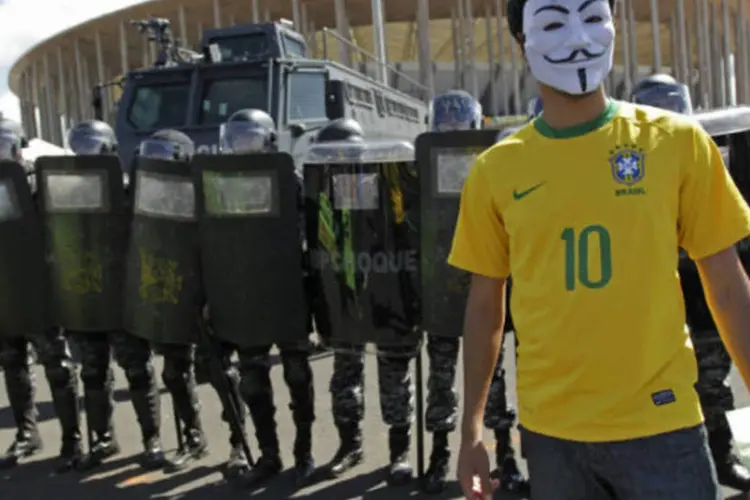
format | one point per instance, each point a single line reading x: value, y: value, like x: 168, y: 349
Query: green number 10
x: 579, y: 248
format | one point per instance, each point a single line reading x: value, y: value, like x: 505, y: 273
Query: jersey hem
x: 591, y: 435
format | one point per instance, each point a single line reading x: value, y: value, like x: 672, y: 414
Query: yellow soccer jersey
x: 588, y: 222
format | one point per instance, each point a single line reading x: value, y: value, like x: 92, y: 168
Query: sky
x: 24, y: 23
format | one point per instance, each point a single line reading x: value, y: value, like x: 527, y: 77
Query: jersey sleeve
x: 713, y: 215
x: 480, y: 243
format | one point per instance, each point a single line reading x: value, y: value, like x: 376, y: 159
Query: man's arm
x: 727, y: 290
x: 483, y: 336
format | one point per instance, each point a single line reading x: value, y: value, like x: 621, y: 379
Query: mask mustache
x: 573, y: 55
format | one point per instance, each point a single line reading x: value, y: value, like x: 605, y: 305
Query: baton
x: 217, y: 363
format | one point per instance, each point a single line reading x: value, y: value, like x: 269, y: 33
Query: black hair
x: 515, y: 17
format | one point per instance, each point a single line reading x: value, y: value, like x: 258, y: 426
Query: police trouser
x: 396, y: 387
x: 54, y: 354
x: 256, y: 389
x: 179, y: 378
x: 498, y: 414
x: 714, y: 391
x: 133, y: 355
x: 442, y: 398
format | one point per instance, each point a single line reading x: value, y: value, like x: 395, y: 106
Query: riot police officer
x: 133, y: 354
x: 250, y: 131
x: 347, y: 382
x: 179, y: 358
x: 54, y: 353
x: 458, y: 110
x: 714, y: 363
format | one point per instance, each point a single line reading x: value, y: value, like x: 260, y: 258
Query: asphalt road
x: 121, y: 479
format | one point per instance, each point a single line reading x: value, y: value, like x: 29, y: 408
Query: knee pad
x: 297, y: 370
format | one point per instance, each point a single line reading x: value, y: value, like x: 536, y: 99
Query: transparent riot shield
x: 444, y: 160
x: 362, y: 236
x: 23, y: 307
x: 162, y: 286
x: 82, y: 202
x: 251, y: 248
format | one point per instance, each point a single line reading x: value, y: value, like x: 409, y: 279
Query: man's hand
x: 474, y: 470
x: 728, y: 295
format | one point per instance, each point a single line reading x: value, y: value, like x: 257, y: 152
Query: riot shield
x: 251, y: 248
x: 444, y: 160
x: 82, y: 202
x: 363, y: 242
x: 162, y: 286
x: 23, y: 307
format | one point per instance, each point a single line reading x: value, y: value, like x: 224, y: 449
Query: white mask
x: 569, y: 44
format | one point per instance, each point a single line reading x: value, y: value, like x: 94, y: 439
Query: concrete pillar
x: 378, y: 41
x: 627, y: 72
x: 501, y: 57
x: 707, y: 42
x: 471, y: 41
x: 656, y: 36
x: 79, y: 80
x: 297, y: 15
x: 342, y: 29
x: 184, y: 35
x: 490, y: 61
x: 256, y: 11
x: 727, y: 51
x: 100, y: 73
x: 217, y: 14
x: 682, y: 45
x: 124, y: 53
x: 632, y: 41
x: 63, y: 104
x: 426, y: 76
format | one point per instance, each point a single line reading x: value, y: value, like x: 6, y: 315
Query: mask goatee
x: 582, y: 80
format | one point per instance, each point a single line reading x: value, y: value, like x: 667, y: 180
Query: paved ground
x: 119, y: 480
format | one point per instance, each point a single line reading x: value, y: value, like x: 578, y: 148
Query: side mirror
x: 297, y: 130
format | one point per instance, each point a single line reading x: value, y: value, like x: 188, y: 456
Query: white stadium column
x: 726, y: 28
x: 632, y: 40
x: 100, y: 76
x: 656, y: 36
x: 426, y: 76
x: 296, y: 15
x: 623, y: 31
x: 63, y: 90
x: 124, y: 53
x: 217, y: 14
x: 706, y: 40
x: 184, y: 38
x: 79, y: 81
x: 490, y: 60
x: 503, y: 101
x: 378, y: 40
x: 256, y: 11
x: 471, y: 42
x: 516, y: 66
x: 342, y: 29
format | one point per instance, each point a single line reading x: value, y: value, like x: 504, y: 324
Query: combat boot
x: 511, y: 479
x: 153, y: 457
x: 195, y: 448
x: 437, y: 472
x: 26, y: 444
x: 99, y: 408
x: 237, y: 465
x: 66, y: 407
x: 350, y: 452
x: 729, y: 469
x: 146, y: 406
x: 304, y: 465
x: 400, y: 470
x: 269, y: 464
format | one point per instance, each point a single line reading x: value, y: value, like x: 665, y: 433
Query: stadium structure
x: 440, y: 44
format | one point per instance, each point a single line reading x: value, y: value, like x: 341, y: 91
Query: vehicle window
x: 221, y: 98
x: 307, y: 96
x: 294, y: 47
x: 242, y: 48
x: 159, y: 106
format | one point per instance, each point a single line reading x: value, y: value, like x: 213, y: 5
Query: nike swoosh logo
x: 524, y: 194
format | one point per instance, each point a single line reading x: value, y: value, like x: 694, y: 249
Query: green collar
x: 578, y: 130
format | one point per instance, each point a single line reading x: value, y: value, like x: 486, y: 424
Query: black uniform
x: 132, y: 353
x: 53, y: 351
x: 253, y: 131
x: 179, y: 359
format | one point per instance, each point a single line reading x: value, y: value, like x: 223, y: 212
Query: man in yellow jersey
x: 585, y: 208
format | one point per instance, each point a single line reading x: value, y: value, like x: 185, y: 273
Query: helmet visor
x: 87, y: 144
x: 8, y: 146
x: 243, y: 137
x: 670, y: 97
x: 158, y: 149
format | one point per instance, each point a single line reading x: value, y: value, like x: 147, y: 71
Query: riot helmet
x: 454, y: 110
x: 12, y: 140
x: 341, y: 129
x: 92, y: 137
x: 167, y: 144
x: 248, y: 131
x: 663, y: 91
x: 534, y: 108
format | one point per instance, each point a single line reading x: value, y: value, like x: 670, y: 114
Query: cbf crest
x: 628, y: 164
